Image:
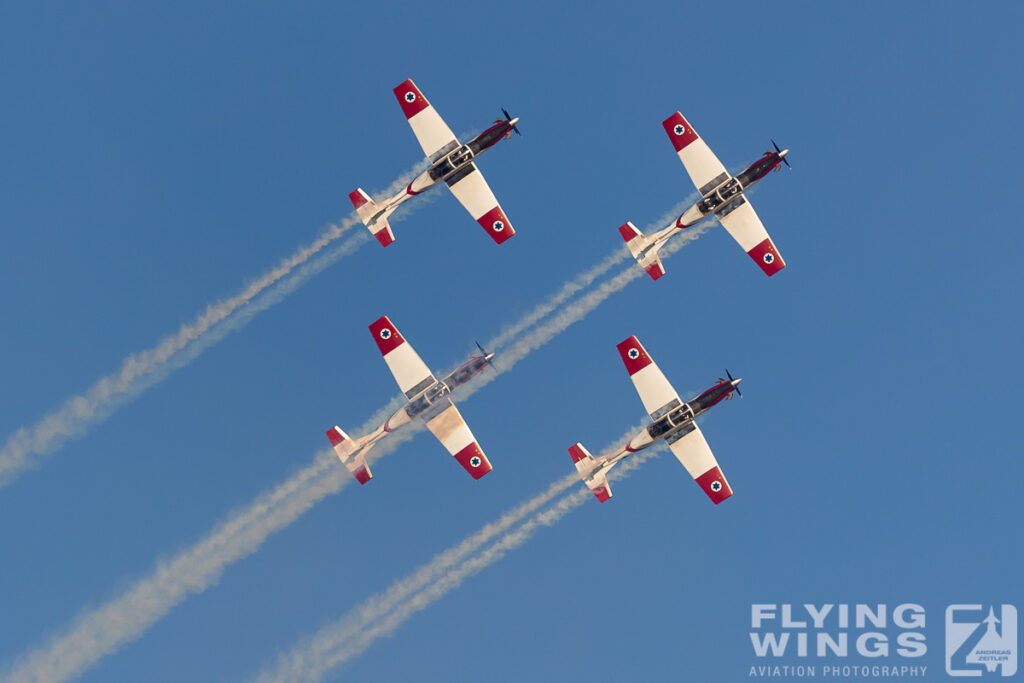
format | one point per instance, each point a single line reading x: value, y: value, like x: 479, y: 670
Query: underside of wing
x: 705, y: 170
x: 691, y: 449
x: 411, y: 373
x: 445, y: 422
x: 473, y: 192
x: 740, y: 219
x: 658, y: 396
x: 430, y: 129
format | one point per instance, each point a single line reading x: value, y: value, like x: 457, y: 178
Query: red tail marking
x: 384, y: 237
x: 335, y: 436
x: 602, y: 493
x: 357, y: 198
x: 386, y: 335
x: 633, y: 355
x: 628, y: 231
x: 363, y: 475
x: 577, y: 452
x: 655, y: 270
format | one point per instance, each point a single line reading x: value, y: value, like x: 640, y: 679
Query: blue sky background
x: 158, y: 157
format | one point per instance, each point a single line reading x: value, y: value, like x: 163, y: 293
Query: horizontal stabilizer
x: 373, y: 217
x: 640, y: 246
x: 587, y: 466
x: 351, y: 454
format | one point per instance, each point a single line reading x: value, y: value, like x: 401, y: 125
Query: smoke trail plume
x: 382, y: 614
x: 584, y: 279
x: 103, y: 630
x: 25, y: 448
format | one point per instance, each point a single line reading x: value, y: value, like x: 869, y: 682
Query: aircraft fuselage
x: 428, y: 397
x: 720, y: 195
x: 450, y: 163
x: 673, y: 425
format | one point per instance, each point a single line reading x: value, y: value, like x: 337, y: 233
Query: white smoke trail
x: 25, y: 448
x: 382, y: 614
x: 379, y: 605
x: 103, y: 630
x: 584, y: 279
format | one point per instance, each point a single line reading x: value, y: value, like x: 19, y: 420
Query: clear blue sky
x: 156, y: 158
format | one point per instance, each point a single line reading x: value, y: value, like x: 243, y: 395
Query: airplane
x: 721, y: 194
x: 673, y: 421
x: 450, y: 161
x: 427, y: 399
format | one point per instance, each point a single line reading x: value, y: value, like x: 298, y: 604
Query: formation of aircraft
x: 672, y: 420
x: 428, y: 400
x: 450, y: 161
x: 721, y: 195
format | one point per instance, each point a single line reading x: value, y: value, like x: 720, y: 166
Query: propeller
x: 508, y: 117
x: 483, y: 353
x: 735, y: 388
x: 783, y: 158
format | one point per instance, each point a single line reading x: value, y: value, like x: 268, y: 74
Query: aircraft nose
x: 489, y: 356
x: 514, y: 121
x: 783, y: 153
x: 736, y: 381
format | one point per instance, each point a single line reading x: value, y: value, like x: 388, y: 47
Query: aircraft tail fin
x: 373, y: 216
x: 351, y: 453
x: 640, y: 246
x: 587, y: 466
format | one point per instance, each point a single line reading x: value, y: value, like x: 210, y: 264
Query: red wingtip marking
x: 386, y: 335
x: 577, y: 452
x: 385, y: 237
x: 363, y: 475
x: 714, y: 484
x: 335, y: 436
x: 633, y: 355
x: 628, y: 231
x: 679, y: 131
x: 602, y: 493
x: 655, y: 270
x: 474, y: 460
x: 357, y: 198
x: 767, y: 257
x: 411, y: 99
x: 496, y: 224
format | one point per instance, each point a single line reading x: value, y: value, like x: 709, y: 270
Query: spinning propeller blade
x: 508, y: 117
x: 783, y: 158
x: 735, y: 388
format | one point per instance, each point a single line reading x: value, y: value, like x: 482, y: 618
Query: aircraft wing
x: 691, y: 449
x: 470, y: 188
x: 411, y: 373
x: 655, y: 391
x: 445, y: 421
x: 739, y: 218
x: 705, y: 170
x: 430, y: 129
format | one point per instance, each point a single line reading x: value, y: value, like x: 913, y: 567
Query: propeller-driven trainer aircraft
x: 673, y: 422
x: 427, y: 399
x: 721, y: 194
x: 450, y: 161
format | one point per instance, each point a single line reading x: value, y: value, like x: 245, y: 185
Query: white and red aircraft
x: 428, y: 400
x: 450, y: 161
x: 673, y: 422
x: 720, y: 193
